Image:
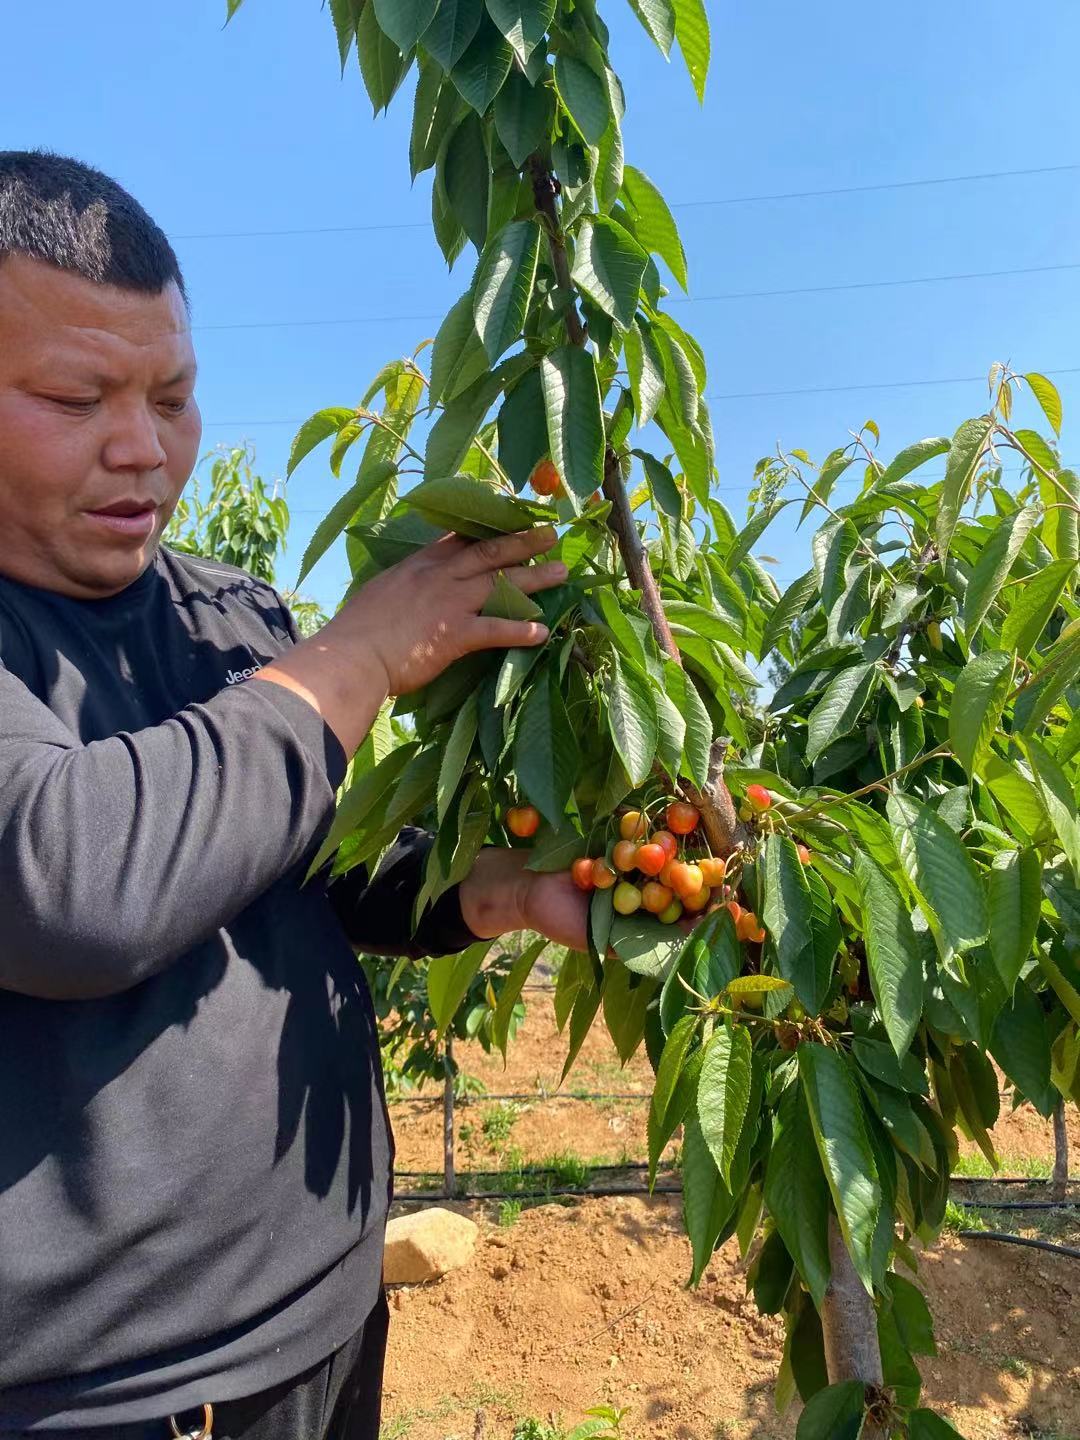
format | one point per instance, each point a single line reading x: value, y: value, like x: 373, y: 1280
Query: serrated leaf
x: 838, y: 711
x: 658, y: 20
x: 1059, y: 799
x: 608, y: 266
x: 503, y: 285
x: 942, y: 871
x: 315, y: 430
x: 457, y: 356
x: 654, y: 224
x: 835, y: 1413
x: 448, y: 980
x: 751, y: 985
x: 404, y: 21
x: 707, y: 1202
x: 340, y: 514
x: 468, y: 506
x: 699, y: 733
x: 665, y: 493
x: 358, y: 802
x: 672, y: 1061
x: 992, y: 567
x: 662, y: 1127
x: 575, y: 420
x: 977, y: 705
x: 449, y: 35
x: 383, y: 64
x: 692, y: 33
x: 645, y: 365
x: 787, y: 915
x: 835, y: 1108
x: 522, y: 430
x: 435, y: 106
x: 644, y: 945
x: 631, y: 717
x: 481, y: 71
x: 966, y: 450
x: 1020, y: 1043
x: 1014, y: 902
x: 911, y: 458
x: 584, y: 97
x: 524, y: 23
x: 466, y: 175
x: 510, y: 991
x: 1046, y: 393
x: 522, y: 117
x: 546, y: 756
x: 893, y: 956
x: 925, y: 1425
x: 1033, y: 606
x: 724, y: 1093
x: 796, y: 1192
x: 709, y: 960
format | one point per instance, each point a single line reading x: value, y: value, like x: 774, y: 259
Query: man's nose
x: 132, y: 442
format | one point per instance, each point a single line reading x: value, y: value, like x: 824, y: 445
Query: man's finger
x: 503, y: 551
x: 531, y: 578
x: 487, y: 632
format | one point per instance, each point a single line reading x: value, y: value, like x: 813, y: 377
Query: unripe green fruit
x: 627, y: 898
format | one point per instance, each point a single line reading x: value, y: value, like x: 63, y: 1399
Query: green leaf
x: 507, y: 602
x: 1061, y: 524
x: 1015, y: 899
x: 654, y: 224
x: 942, y: 871
x: 575, y: 420
x: 707, y: 1202
x: 978, y: 702
x: 787, y: 914
x: 996, y: 559
x: 510, y: 991
x: 893, y: 957
x: 546, y: 756
x: 658, y: 20
x: 699, y: 733
x: 965, y: 452
x: 751, y: 533
x: 404, y: 21
x: 838, y: 711
x: 448, y: 981
x: 724, y: 1093
x: 522, y: 429
x: 1045, y: 392
x: 672, y: 1060
x: 522, y: 117
x: 665, y: 493
x: 1046, y: 691
x: 503, y: 285
x: 709, y: 960
x: 449, y: 35
x: 342, y: 511
x: 1033, y: 606
x: 584, y: 97
x: 645, y: 364
x: 925, y: 1425
x: 692, y: 33
x: 631, y: 717
x: 382, y: 63
x: 358, y: 802
x: 1020, y: 1043
x: 456, y: 754
x: 608, y: 266
x: 344, y: 13
x: 644, y: 945
x: 457, y: 356
x: 482, y: 69
x: 682, y: 1075
x: 840, y: 1131
x: 468, y: 506
x: 796, y: 1192
x: 879, y: 1060
x: 314, y: 431
x: 524, y: 23
x: 835, y: 1413
x: 1059, y: 798
x: 910, y: 459
x: 466, y: 174
x: 435, y: 106
x: 747, y: 986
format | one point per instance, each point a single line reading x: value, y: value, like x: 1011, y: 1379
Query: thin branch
x: 834, y: 800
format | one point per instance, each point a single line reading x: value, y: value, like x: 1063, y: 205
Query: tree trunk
x: 849, y: 1325
x: 1059, y: 1184
x: 449, y: 1175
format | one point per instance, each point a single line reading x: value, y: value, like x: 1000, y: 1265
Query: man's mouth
x: 133, y: 518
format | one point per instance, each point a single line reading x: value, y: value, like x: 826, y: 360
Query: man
x: 194, y: 1147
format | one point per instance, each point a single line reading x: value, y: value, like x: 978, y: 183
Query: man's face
x: 99, y: 430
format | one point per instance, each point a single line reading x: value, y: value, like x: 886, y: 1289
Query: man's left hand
x: 499, y: 896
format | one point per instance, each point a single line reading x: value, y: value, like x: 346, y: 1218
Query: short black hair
x: 62, y: 211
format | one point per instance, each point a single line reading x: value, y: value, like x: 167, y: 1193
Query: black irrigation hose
x: 1018, y: 1204
x: 528, y: 1097
x: 525, y: 1170
x: 602, y: 1193
x: 1005, y: 1239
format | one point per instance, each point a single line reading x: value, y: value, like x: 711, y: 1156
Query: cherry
x: 624, y: 855
x: 627, y: 898
x: 686, y: 879
x: 651, y: 859
x: 656, y: 898
x: 748, y: 927
x: 804, y: 854
x: 582, y: 873
x: 671, y: 914
x: 758, y: 797
x: 699, y: 901
x: 523, y: 821
x: 735, y: 910
x: 667, y: 841
x: 545, y: 479
x: 602, y: 875
x: 632, y: 826
x: 713, y: 871
x: 681, y: 818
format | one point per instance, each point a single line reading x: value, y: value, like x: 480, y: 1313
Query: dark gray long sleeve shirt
x: 194, y: 1148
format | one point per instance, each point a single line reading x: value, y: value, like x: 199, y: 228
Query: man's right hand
x: 405, y: 627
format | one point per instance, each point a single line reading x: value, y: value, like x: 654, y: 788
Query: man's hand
x: 499, y: 896
x: 405, y: 627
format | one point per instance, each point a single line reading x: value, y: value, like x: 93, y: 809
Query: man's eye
x: 175, y: 407
x: 71, y: 402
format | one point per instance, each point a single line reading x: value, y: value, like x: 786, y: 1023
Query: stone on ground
x: 427, y: 1245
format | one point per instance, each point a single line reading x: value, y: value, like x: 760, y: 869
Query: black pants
x: 338, y: 1399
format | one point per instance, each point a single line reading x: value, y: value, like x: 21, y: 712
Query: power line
x: 676, y: 299
x: 678, y: 205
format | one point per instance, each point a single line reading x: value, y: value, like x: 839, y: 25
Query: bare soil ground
x: 576, y: 1304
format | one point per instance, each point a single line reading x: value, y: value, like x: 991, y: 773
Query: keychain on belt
x: 202, y: 1434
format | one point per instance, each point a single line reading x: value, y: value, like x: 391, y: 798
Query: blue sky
x: 250, y: 129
